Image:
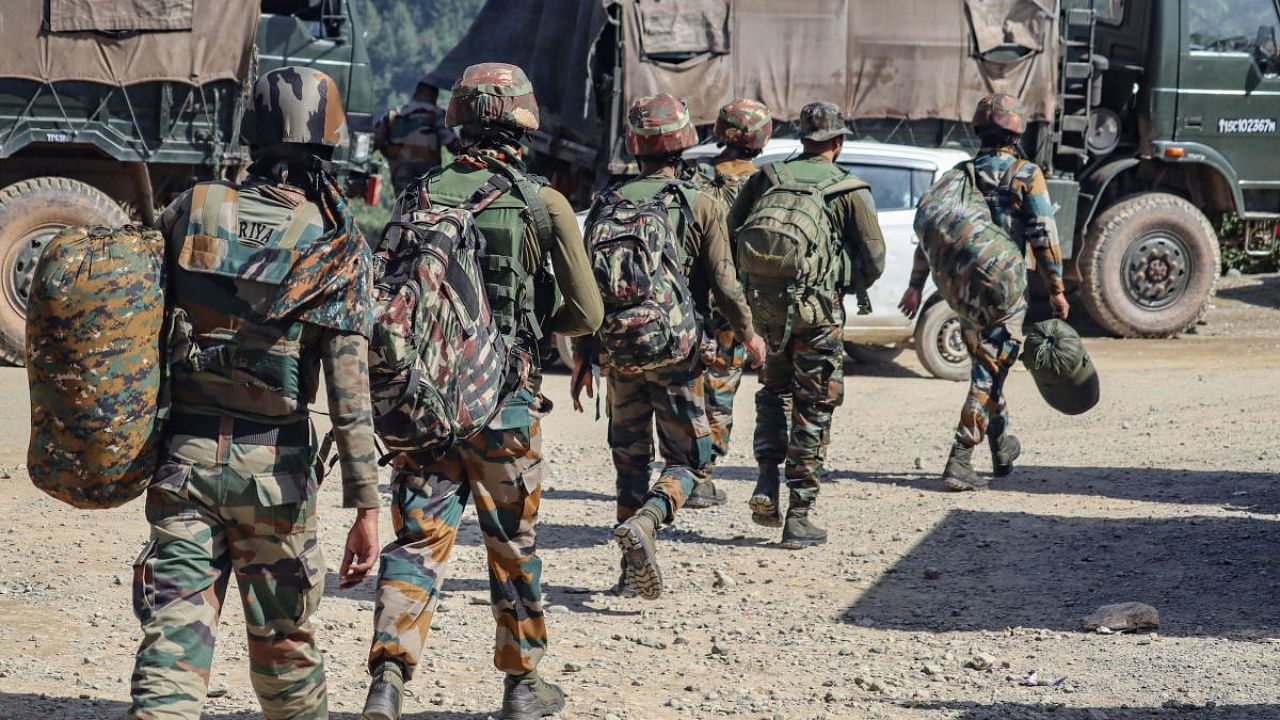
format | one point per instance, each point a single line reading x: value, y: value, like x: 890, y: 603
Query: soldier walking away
x: 501, y: 467
x: 1018, y: 197
x: 411, y: 137
x: 742, y: 128
x: 670, y: 396
x: 270, y: 284
x: 798, y: 307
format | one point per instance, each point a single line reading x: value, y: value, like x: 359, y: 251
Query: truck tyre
x: 940, y: 343
x: 1149, y: 267
x: 871, y: 354
x: 31, y: 213
x: 564, y: 349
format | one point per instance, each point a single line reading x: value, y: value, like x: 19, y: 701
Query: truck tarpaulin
x: 909, y: 59
x: 188, y: 41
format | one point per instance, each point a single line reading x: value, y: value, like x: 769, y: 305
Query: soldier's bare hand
x: 361, y: 551
x: 1059, y: 305
x: 583, y: 380
x: 910, y: 303
x: 757, y: 349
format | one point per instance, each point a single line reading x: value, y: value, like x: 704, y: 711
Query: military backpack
x: 441, y: 365
x: 650, y: 320
x: 977, y: 268
x: 789, y: 247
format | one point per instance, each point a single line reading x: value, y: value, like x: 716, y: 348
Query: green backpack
x: 788, y: 247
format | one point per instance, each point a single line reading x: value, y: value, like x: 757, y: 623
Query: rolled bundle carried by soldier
x: 94, y: 323
x: 1064, y: 374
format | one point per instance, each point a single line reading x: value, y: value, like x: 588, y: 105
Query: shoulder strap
x: 492, y: 189
x: 778, y: 173
x: 527, y: 189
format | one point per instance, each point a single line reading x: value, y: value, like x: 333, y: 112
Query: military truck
x: 111, y: 108
x: 1155, y: 120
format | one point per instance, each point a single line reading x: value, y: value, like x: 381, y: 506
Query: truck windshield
x: 1230, y: 25
x: 1109, y: 11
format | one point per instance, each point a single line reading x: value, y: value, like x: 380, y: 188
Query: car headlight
x: 360, y: 150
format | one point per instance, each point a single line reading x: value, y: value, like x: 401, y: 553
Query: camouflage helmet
x: 659, y: 125
x: 298, y: 105
x: 493, y: 94
x: 1002, y: 111
x: 744, y: 124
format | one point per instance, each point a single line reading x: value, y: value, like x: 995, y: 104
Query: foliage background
x: 406, y: 38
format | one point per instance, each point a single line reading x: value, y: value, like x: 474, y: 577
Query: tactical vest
x: 721, y: 186
x: 228, y: 267
x: 415, y: 137
x: 509, y: 285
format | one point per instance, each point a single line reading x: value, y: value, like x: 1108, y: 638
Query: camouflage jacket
x: 1021, y: 205
x: 705, y: 251
x: 265, y: 208
x: 722, y: 177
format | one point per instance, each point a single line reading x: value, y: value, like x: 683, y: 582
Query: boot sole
x: 801, y: 544
x: 958, y: 485
x: 537, y: 714
x: 696, y: 502
x: 642, y: 573
x: 764, y: 512
x: 379, y: 715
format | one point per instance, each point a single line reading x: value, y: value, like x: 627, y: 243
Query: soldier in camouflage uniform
x: 271, y: 283
x: 412, y: 136
x: 501, y: 468
x: 743, y: 127
x: 803, y: 380
x: 1018, y: 196
x: 658, y: 130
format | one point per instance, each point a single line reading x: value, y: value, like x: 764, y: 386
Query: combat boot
x: 799, y: 532
x: 638, y: 538
x: 621, y: 589
x: 959, y: 476
x: 529, y: 697
x: 385, y: 693
x: 1005, y: 448
x: 705, y: 494
x: 764, y: 498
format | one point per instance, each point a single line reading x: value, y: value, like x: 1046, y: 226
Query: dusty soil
x: 1164, y: 494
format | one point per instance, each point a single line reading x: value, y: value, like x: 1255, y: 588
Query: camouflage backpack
x: 649, y: 320
x: 94, y: 324
x: 977, y: 268
x: 788, y: 246
x: 439, y: 367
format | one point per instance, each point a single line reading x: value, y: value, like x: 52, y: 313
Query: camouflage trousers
x: 670, y: 398
x: 217, y: 508
x: 993, y: 351
x: 502, y: 470
x: 801, y: 386
x: 721, y: 382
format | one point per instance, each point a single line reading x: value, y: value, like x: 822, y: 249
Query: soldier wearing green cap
x: 803, y: 375
x: 1018, y: 196
x: 269, y: 288
x: 742, y: 128
x: 526, y: 229
x: 669, y: 398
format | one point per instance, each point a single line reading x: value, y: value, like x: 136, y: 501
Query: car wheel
x: 564, y: 348
x: 940, y: 343
x: 872, y: 354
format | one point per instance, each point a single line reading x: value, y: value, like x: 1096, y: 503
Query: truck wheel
x: 564, y: 348
x: 1150, y: 266
x: 31, y: 213
x: 940, y: 344
x: 871, y: 354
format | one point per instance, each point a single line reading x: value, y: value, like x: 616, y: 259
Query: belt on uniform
x: 245, y: 432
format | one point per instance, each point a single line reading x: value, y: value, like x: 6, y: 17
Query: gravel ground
x: 925, y: 604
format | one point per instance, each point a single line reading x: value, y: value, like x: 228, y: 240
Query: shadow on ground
x: 1019, y: 711
x: 30, y: 706
x: 1265, y: 292
x: 996, y: 570
x: 1251, y: 491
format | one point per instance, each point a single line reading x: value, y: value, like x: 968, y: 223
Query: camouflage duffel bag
x: 1057, y: 361
x: 94, y: 322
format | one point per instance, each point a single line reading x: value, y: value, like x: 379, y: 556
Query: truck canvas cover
x: 188, y: 41
x: 908, y: 59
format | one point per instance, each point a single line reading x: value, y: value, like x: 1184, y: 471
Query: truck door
x: 1229, y: 86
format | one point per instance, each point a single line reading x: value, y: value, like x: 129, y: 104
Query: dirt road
x: 1165, y: 494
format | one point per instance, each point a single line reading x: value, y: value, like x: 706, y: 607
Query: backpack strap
x: 778, y: 174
